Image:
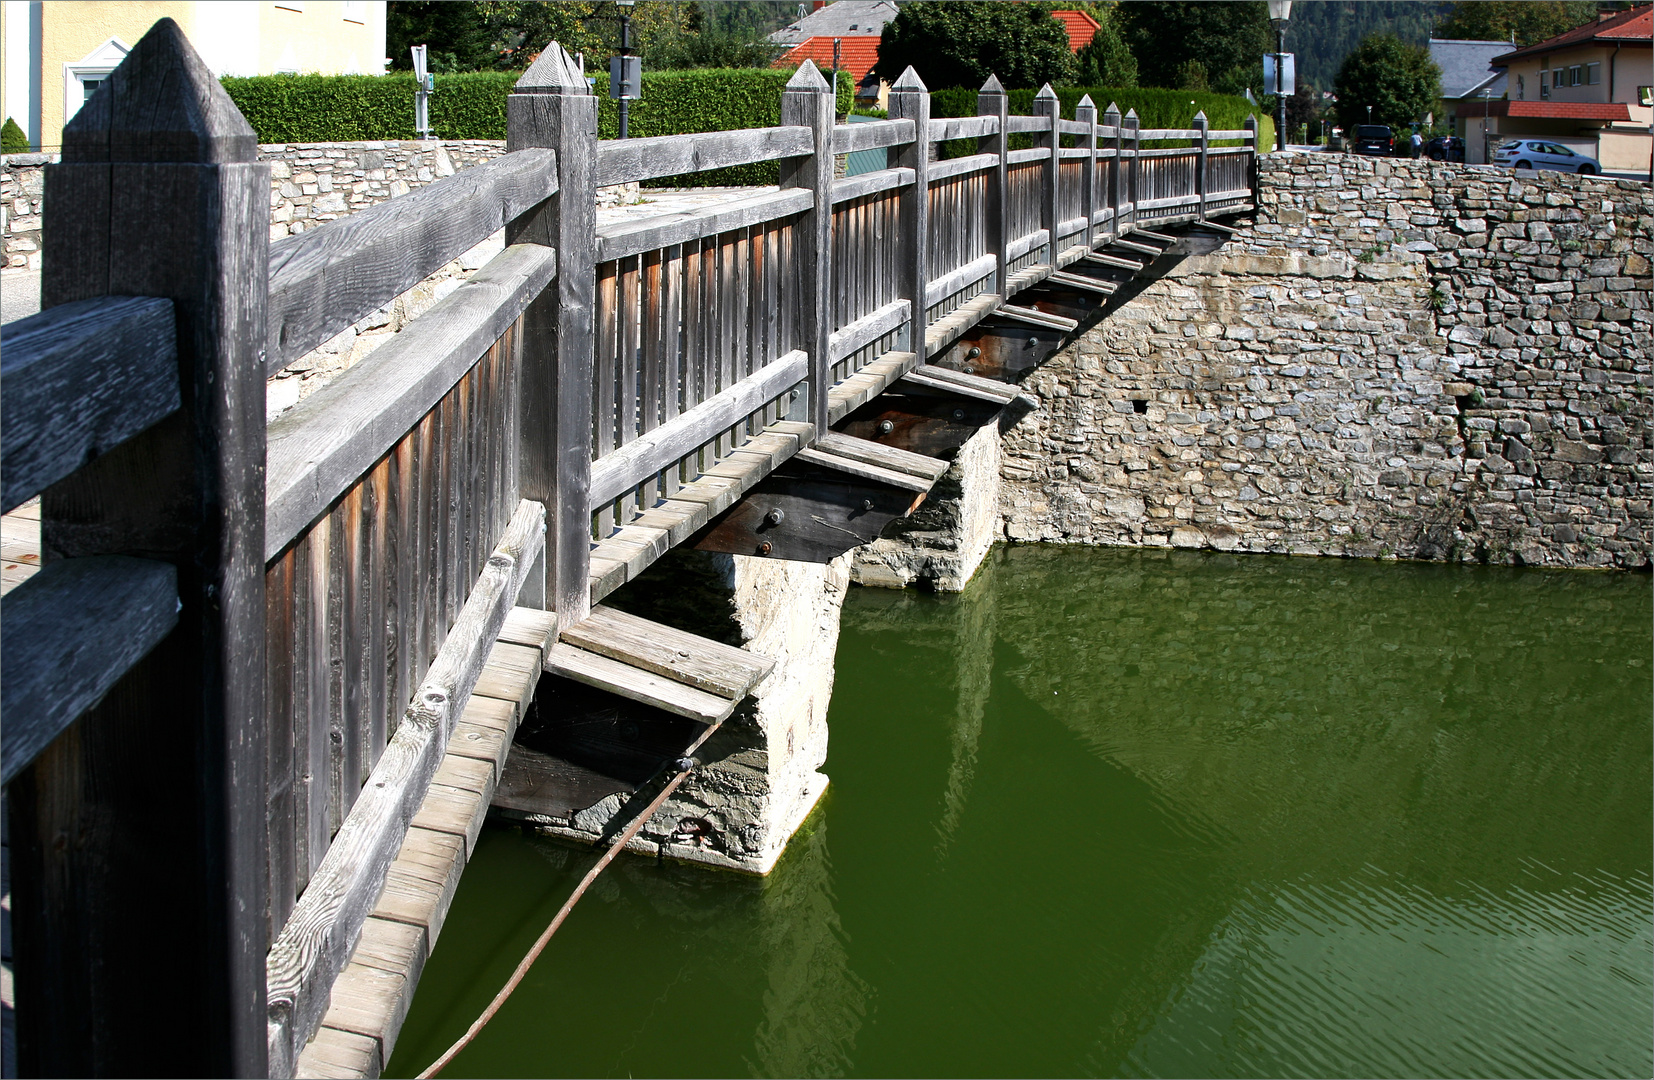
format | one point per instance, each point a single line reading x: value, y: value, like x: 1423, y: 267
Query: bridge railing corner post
x: 809, y: 102
x: 1111, y: 119
x: 1251, y: 126
x: 1201, y: 165
x: 1047, y: 105
x: 992, y: 100
x: 552, y: 106
x: 1134, y: 176
x: 1086, y: 113
x: 910, y: 100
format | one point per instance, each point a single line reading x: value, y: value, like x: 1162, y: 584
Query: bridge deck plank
x: 687, y: 658
x: 637, y: 684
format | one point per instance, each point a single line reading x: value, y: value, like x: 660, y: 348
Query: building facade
x: 56, y: 52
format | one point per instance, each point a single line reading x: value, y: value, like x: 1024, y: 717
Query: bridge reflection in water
x: 1143, y: 813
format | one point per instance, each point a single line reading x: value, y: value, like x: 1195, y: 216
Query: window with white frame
x: 82, y: 78
x: 1573, y: 75
x: 1593, y: 74
x: 1557, y: 75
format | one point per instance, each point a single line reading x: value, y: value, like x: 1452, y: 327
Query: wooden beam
x: 808, y: 102
x: 910, y: 101
x: 325, y: 279
x: 159, y: 193
x: 316, y: 942
x: 964, y: 127
x: 686, y: 658
x: 638, y: 684
x: 617, y: 241
x: 325, y: 443
x: 885, y: 457
x: 969, y: 274
x: 81, y: 378
x: 868, y: 329
x: 991, y: 100
x: 862, y: 470
x: 871, y: 183
x: 71, y: 632
x: 849, y: 138
x: 1034, y: 317
x: 624, y: 161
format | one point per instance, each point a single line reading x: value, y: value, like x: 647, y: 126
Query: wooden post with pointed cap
x: 910, y: 100
x: 1201, y: 178
x: 992, y: 100
x: 139, y: 838
x: 551, y: 106
x: 1086, y: 113
x: 1046, y: 105
x: 808, y: 102
x: 1111, y: 117
x: 1135, y: 127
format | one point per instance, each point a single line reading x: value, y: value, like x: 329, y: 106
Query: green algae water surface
x: 1132, y: 813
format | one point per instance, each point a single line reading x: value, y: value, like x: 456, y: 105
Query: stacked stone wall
x: 1396, y: 359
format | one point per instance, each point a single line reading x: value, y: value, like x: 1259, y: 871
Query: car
x: 1445, y: 148
x: 1374, y: 139
x: 1542, y: 154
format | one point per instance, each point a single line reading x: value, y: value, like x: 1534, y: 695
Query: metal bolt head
x: 959, y: 414
x: 867, y: 504
x: 765, y: 548
x: 886, y: 427
x: 973, y: 354
x: 776, y: 516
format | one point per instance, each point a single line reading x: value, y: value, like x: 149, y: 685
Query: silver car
x: 1539, y: 154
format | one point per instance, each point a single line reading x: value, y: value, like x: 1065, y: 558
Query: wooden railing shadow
x: 227, y: 691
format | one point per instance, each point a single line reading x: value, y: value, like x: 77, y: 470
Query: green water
x: 1123, y: 813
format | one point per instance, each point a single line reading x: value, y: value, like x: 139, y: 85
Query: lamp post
x: 1279, y: 12
x: 625, y: 72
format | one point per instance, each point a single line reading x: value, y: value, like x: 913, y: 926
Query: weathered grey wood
x: 1134, y: 168
x: 80, y: 379
x: 326, y: 279
x: 909, y: 100
x: 694, y: 661
x: 1201, y: 167
x: 948, y: 284
x: 324, y: 444
x: 854, y: 187
x: 862, y: 470
x: 1022, y: 157
x: 624, y: 161
x: 1036, y: 124
x: 1047, y: 106
x: 964, y: 127
x: 886, y: 457
x: 944, y: 170
x: 1115, y: 262
x: 637, y: 684
x: 868, y: 329
x: 1170, y: 133
x: 72, y: 630
x: 1022, y: 245
x: 316, y: 943
x: 957, y: 382
x: 650, y: 453
x: 1037, y: 318
x: 1111, y: 122
x: 551, y: 105
x: 1083, y: 283
x: 1085, y: 118
x: 159, y: 194
x: 808, y: 101
x: 991, y: 100
x: 849, y: 138
x: 619, y: 240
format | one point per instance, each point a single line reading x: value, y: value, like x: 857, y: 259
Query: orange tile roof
x: 1080, y: 26
x: 857, y: 55
x: 1627, y: 28
x: 1551, y: 110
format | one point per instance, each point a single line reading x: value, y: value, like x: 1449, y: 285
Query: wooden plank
x: 1133, y: 246
x: 1114, y: 261
x: 870, y: 183
x: 324, y: 444
x: 910, y: 100
x: 80, y: 379
x: 868, y: 329
x: 885, y: 457
x: 965, y: 166
x: 484, y: 728
x: 616, y: 241
x: 962, y: 127
x: 623, y: 161
x: 159, y: 193
x: 459, y: 812
x: 863, y: 471
x: 947, y: 285
x: 849, y: 138
x: 420, y: 884
x: 371, y: 1002
x: 960, y: 383
x: 808, y: 101
x: 1037, y: 318
x: 1023, y: 125
x: 1083, y: 283
x: 1039, y: 154
x: 637, y: 684
x: 340, y: 1055
x: 1157, y: 237
x: 1022, y: 245
x: 326, y: 279
x: 71, y: 633
x: 650, y: 453
x: 511, y: 674
x: 694, y: 661
x: 315, y: 944
x: 526, y: 626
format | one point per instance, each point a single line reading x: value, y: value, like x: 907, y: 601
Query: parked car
x: 1539, y: 154
x: 1374, y: 139
x: 1445, y: 148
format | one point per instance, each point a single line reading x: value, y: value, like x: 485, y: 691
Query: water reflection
x: 1136, y: 813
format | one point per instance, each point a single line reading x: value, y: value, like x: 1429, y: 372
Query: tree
x: 12, y: 139
x: 1398, y: 80
x: 1228, y: 39
x: 953, y: 44
x: 1106, y: 61
x: 1529, y: 21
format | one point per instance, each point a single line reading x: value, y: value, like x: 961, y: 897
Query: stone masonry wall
x: 1397, y: 359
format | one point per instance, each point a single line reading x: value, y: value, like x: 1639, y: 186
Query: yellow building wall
x: 234, y: 37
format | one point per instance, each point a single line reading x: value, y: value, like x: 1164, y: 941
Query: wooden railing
x: 293, y: 616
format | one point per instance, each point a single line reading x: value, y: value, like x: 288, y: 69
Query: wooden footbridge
x: 258, y: 698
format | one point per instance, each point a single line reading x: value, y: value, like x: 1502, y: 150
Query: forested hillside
x: 1323, y: 32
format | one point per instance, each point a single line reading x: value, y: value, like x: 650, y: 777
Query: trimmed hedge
x: 363, y: 108
x: 1155, y: 109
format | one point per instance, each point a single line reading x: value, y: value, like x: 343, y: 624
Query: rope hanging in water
x: 683, y: 765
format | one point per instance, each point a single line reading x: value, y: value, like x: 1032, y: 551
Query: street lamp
x: 1279, y: 12
x: 625, y: 70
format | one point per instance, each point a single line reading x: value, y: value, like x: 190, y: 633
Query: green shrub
x: 1156, y: 108
x: 12, y: 139
x: 359, y: 108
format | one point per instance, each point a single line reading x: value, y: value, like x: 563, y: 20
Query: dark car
x: 1445, y: 148
x: 1373, y: 139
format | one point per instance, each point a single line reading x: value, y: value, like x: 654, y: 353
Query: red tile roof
x: 1627, y: 28
x: 1551, y: 110
x: 857, y: 55
x: 1081, y: 27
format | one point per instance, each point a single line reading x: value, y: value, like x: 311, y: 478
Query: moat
x: 1141, y: 812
